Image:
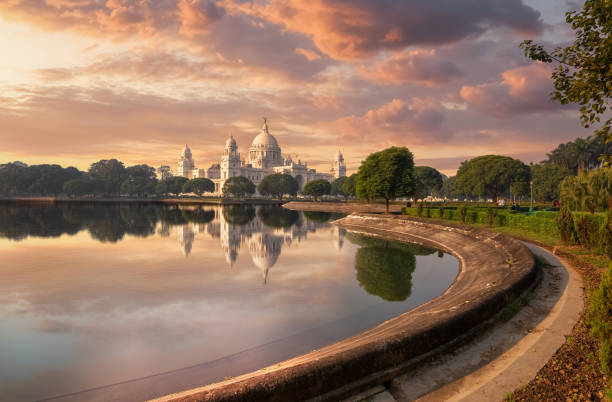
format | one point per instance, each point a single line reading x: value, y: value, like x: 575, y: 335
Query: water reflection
x: 384, y: 268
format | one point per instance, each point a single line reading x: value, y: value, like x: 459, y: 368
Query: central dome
x: 264, y: 139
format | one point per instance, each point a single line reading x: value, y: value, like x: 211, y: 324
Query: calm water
x: 127, y: 302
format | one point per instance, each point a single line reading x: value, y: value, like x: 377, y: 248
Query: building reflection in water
x: 250, y: 228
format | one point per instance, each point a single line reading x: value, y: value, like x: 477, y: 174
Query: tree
x: 138, y: 186
x: 428, y: 181
x: 111, y: 172
x: 546, y: 178
x: 238, y: 186
x: 583, y: 73
x: 317, y: 188
x: 386, y: 174
x: 336, y: 187
x: 198, y: 186
x: 79, y: 187
x: 277, y: 185
x: 589, y: 191
x: 349, y: 186
x: 171, y: 185
x: 491, y: 176
x: 578, y: 155
x: 448, y: 187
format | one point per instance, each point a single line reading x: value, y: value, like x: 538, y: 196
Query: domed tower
x: 338, y: 166
x: 230, y: 161
x: 185, y: 164
x: 264, y: 152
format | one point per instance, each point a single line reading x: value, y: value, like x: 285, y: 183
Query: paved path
x: 503, y: 358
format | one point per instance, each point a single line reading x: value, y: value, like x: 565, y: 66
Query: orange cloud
x: 419, y: 66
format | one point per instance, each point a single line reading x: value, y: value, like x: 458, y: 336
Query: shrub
x: 565, y: 222
x: 599, y: 318
x: 463, y: 213
x: 441, y: 211
x: 605, y: 236
x: 587, y: 230
x: 428, y: 212
x: 491, y: 215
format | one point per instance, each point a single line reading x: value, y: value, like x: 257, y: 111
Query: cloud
x: 196, y: 16
x: 354, y: 29
x: 420, y: 67
x: 522, y: 90
x: 417, y: 121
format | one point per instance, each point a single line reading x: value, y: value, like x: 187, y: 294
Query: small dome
x: 338, y: 157
x: 186, y: 153
x: 231, y: 143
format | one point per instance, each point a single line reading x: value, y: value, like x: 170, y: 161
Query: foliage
x: 579, y: 155
x: 317, y: 188
x: 198, y: 215
x: 587, y: 231
x: 583, y: 73
x: 19, y: 179
x: 238, y: 186
x: 171, y: 185
x: 565, y: 221
x: 336, y: 187
x: 350, y: 186
x: 387, y: 174
x: 491, y: 215
x: 463, y: 213
x: 198, y: 186
x: 599, y: 318
x: 385, y: 271
x: 448, y: 187
x: 428, y: 181
x: 420, y: 209
x: 589, y: 191
x: 110, y: 172
x: 441, y: 212
x: 138, y: 186
x: 277, y: 185
x: 80, y: 187
x: 491, y: 176
x: 546, y: 180
x: 605, y: 236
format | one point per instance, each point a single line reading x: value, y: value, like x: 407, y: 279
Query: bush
x: 605, y: 236
x: 441, y: 212
x: 491, y: 215
x: 428, y: 212
x: 599, y: 318
x: 565, y: 222
x: 463, y: 213
x: 587, y: 230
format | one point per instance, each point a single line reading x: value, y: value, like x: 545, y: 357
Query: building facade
x: 264, y: 157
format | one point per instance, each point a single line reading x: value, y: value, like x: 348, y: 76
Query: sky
x: 83, y: 80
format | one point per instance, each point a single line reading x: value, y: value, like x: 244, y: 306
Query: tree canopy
x: 317, y: 188
x: 583, y: 74
x: 589, y: 191
x: 492, y: 176
x: 171, y: 185
x: 546, y: 179
x: 428, y: 182
x: 238, y: 186
x: 387, y: 174
x: 277, y: 185
x: 198, y: 186
x: 349, y: 187
x: 579, y: 155
x: 110, y: 172
x: 336, y: 186
x: 20, y: 179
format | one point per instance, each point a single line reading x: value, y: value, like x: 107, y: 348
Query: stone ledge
x: 493, y: 270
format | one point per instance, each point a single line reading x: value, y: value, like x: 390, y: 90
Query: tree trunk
x: 387, y: 206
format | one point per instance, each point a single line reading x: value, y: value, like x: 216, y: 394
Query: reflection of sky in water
x: 77, y: 313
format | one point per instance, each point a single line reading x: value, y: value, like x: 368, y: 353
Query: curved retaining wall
x: 493, y: 270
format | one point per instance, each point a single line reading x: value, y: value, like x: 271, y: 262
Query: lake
x: 134, y: 301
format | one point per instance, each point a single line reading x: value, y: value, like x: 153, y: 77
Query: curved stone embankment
x: 493, y: 270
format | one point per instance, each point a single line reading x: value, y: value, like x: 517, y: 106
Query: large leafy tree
x: 238, y: 186
x: 578, y: 155
x: 336, y: 187
x: 583, y: 74
x: 171, y: 185
x: 317, y: 188
x: 492, y: 176
x: 198, y: 186
x: 546, y: 179
x: 277, y: 185
x: 349, y: 187
x: 428, y: 181
x: 111, y: 172
x: 387, y: 174
x: 448, y: 187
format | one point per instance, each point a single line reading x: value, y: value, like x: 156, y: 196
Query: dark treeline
x: 111, y: 222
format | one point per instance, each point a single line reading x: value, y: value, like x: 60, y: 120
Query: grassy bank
x: 580, y: 370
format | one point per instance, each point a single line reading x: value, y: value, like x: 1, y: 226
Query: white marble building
x: 264, y: 157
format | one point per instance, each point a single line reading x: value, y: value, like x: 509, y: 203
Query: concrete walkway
x: 505, y: 357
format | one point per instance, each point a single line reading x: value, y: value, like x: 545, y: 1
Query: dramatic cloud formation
x: 412, y: 67
x: 136, y: 79
x: 522, y: 90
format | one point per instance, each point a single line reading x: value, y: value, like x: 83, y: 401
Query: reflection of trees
x: 20, y: 221
x: 385, y: 271
x: 239, y: 214
x: 365, y: 241
x: 277, y: 217
x: 322, y: 217
x: 198, y: 215
x: 171, y: 215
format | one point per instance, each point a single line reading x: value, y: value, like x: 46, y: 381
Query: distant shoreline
x: 166, y: 201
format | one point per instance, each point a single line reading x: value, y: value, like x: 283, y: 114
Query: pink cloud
x: 522, y: 90
x: 419, y: 66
